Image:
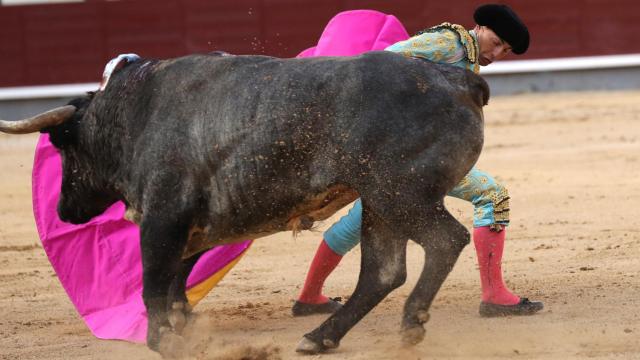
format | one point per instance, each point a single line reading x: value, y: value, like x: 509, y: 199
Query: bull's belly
x: 313, y: 208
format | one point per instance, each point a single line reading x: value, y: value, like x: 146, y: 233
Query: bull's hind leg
x: 442, y: 238
x: 383, y: 268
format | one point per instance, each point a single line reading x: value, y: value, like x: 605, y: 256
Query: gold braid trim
x: 463, y: 35
x: 500, y: 200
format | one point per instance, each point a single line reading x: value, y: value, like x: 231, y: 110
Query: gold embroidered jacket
x: 445, y: 43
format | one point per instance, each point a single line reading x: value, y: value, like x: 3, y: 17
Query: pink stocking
x: 489, y: 245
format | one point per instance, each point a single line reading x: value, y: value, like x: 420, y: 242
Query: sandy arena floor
x: 571, y: 162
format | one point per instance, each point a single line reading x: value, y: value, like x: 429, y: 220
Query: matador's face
x: 492, y: 47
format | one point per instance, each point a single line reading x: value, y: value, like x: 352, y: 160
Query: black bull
x: 206, y: 150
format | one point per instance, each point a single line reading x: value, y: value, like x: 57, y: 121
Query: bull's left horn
x: 38, y: 122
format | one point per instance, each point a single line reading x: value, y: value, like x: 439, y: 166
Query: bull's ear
x: 479, y: 89
x: 63, y: 135
x: 66, y: 133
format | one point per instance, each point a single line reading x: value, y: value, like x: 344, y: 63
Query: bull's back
x: 230, y: 95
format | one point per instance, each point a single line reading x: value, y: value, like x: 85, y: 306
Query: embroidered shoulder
x: 463, y: 35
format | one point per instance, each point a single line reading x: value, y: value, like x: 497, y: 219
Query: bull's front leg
x: 162, y: 244
x: 383, y: 268
x: 180, y: 311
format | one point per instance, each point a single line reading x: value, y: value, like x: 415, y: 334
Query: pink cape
x: 99, y: 263
x: 357, y: 31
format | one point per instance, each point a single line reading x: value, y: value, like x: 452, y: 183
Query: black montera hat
x: 506, y: 24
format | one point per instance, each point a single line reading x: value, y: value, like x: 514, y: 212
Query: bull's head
x: 82, y: 197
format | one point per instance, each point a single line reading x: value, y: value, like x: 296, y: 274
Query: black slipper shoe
x: 524, y: 307
x: 304, y: 309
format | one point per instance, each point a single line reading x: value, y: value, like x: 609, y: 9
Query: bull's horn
x: 38, y: 122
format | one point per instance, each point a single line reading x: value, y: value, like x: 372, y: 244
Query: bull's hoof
x: 422, y: 316
x: 153, y: 345
x: 172, y: 346
x: 307, y: 346
x: 177, y: 320
x: 413, y: 335
x: 153, y: 338
x: 329, y: 344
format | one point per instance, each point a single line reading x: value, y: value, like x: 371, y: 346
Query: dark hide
x: 223, y: 148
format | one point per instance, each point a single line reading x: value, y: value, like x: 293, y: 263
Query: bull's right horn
x: 38, y: 122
